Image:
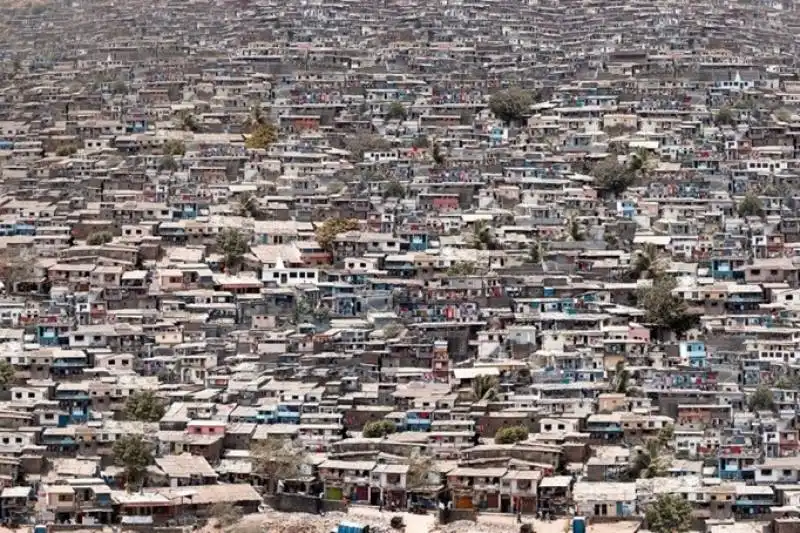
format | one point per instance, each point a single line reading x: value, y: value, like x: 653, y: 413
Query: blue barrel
x: 40, y: 528
x: 351, y: 527
x: 579, y: 524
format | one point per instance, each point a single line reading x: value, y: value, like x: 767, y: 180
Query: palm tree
x: 649, y: 462
x: 482, y: 237
x: 484, y: 387
x: 647, y: 263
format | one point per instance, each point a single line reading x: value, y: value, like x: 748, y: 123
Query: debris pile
x: 278, y: 522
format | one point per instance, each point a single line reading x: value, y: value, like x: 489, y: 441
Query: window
x: 766, y: 471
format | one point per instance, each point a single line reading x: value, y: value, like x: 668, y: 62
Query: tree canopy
x: 669, y: 513
x: 663, y: 308
x: 99, y: 237
x: 276, y: 459
x: 511, y: 435
x: 328, y: 230
x: 133, y: 454
x: 751, y: 206
x: 648, y: 462
x: 483, y: 237
x: 233, y: 244
x: 646, y: 263
x: 378, y: 428
x: 174, y: 147
x: 511, y: 104
x: 419, y: 468
x: 261, y: 137
x: 613, y: 177
x: 396, y: 111
x: 762, y: 399
x: 484, y: 387
x: 144, y: 406
x: 724, y: 116
x: 7, y: 373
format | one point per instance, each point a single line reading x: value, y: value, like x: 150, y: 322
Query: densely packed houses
x: 482, y: 258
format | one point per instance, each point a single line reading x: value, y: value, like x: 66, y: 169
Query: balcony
x: 69, y: 363
x: 603, y: 428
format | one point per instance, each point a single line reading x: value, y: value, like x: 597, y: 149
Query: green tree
x: 751, y: 206
x: 133, y: 454
x: 536, y: 252
x: 327, y: 232
x: 575, y: 232
x: 393, y: 330
x: 510, y: 105
x: 276, y: 460
x: 174, y: 147
x: 226, y: 514
x: 640, y: 164
x: 762, y: 399
x: 648, y: 462
x: 255, y: 119
x: 99, y: 237
x: 646, y: 263
x: 396, y: 111
x: 612, y: 177
x: 665, y: 435
x: 301, y: 310
x: 439, y: 158
x: 783, y: 115
x: 394, y: 189
x: 663, y: 308
x: 462, y: 268
x: 511, y: 435
x: 378, y: 429
x: 187, y: 121
x: 724, y: 116
x: 233, y: 244
x: 482, y: 237
x: 7, y: 373
x: 419, y: 468
x: 261, y: 137
x: 420, y: 141
x: 168, y: 164
x: 622, y: 378
x: 66, y: 150
x: 484, y: 387
x: 248, y: 206
x: 669, y: 513
x: 144, y: 406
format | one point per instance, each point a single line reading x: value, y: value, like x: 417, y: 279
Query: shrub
x: 511, y: 435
